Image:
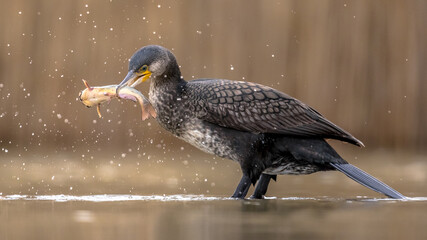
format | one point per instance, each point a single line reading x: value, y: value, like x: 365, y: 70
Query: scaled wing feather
x: 256, y: 108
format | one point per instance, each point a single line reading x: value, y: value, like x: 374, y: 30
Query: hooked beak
x: 130, y: 78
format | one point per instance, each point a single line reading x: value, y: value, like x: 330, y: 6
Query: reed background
x: 362, y: 64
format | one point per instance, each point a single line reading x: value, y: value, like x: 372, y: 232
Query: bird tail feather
x: 367, y: 180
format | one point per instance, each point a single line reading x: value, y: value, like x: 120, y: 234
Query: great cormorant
x: 266, y: 131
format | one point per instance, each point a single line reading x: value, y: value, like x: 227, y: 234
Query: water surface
x: 67, y: 197
x: 204, y: 217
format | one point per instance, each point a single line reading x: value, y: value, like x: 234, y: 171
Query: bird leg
x: 242, y: 188
x: 262, y: 186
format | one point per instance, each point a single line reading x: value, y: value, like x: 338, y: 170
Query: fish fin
x: 152, y: 111
x: 150, y: 108
x: 98, y: 109
x: 145, y: 115
x: 86, y: 84
x: 148, y: 111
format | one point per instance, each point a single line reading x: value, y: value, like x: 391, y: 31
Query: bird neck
x: 171, y: 77
x: 165, y: 96
x: 166, y: 83
x: 166, y: 88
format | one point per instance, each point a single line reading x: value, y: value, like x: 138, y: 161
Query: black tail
x: 367, y: 180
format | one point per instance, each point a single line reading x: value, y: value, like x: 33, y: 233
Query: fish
x: 95, y: 96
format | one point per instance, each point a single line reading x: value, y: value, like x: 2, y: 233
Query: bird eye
x: 143, y: 68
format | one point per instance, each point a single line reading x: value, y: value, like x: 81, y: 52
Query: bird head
x: 149, y: 62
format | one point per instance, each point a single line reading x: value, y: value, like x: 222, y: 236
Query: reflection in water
x: 182, y: 198
x: 202, y: 217
x: 134, y: 199
x: 84, y: 216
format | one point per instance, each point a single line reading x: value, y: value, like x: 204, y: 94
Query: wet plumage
x: 266, y: 131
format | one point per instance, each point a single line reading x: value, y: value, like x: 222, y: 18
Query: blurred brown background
x: 360, y: 63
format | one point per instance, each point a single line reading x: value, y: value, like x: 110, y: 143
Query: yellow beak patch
x: 146, y: 75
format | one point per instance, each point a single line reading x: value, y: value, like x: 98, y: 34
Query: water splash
x: 110, y: 198
x: 408, y: 199
x: 180, y: 198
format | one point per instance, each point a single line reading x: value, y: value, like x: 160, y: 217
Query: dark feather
x: 367, y: 180
x: 256, y: 108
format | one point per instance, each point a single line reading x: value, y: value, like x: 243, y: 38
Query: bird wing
x: 256, y: 108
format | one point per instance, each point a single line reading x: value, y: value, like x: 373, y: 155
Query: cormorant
x: 266, y: 131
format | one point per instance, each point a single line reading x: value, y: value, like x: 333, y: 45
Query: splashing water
x: 174, y: 198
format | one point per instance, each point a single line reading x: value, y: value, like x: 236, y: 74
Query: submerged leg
x: 243, y: 187
x: 262, y: 186
x: 367, y: 180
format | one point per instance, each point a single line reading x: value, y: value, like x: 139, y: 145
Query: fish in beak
x: 134, y: 78
x: 130, y: 78
x: 92, y: 96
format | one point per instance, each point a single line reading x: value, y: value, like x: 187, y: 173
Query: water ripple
x: 111, y: 198
x: 177, y: 198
